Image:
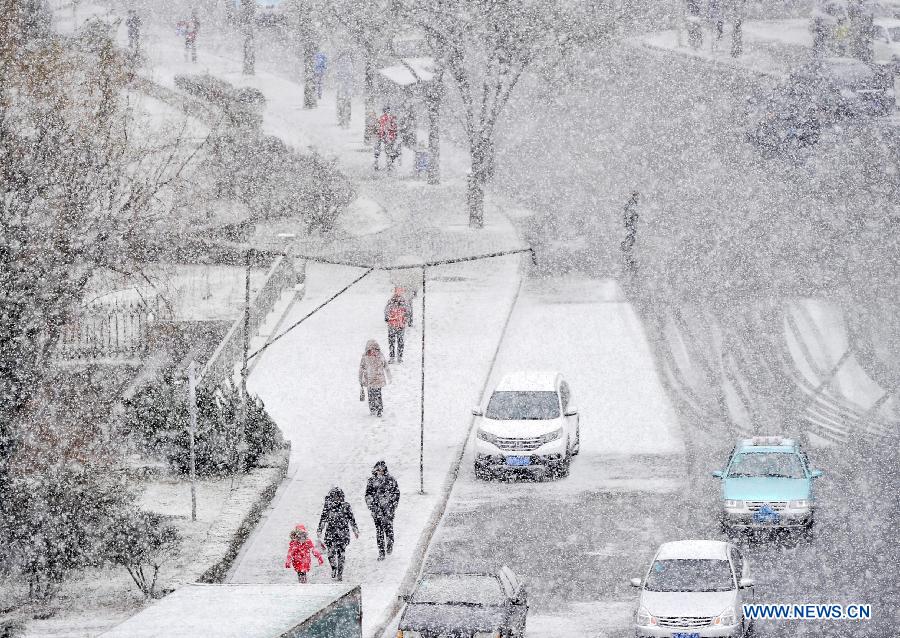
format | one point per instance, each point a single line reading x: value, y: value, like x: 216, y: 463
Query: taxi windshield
x: 767, y: 464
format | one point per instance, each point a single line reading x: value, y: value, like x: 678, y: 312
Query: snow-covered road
x: 573, y: 539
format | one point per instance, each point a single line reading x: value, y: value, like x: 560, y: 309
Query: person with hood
x: 336, y: 522
x: 133, y: 24
x: 299, y: 551
x: 397, y: 315
x: 191, y: 29
x: 382, y: 498
x: 373, y: 376
x: 386, y: 137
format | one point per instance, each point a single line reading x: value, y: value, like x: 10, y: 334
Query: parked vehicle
x: 767, y: 483
x: 530, y: 423
x: 820, y: 94
x: 694, y: 589
x: 886, y: 39
x: 480, y: 605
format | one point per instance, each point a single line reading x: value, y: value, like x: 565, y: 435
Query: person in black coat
x: 336, y: 521
x: 382, y: 497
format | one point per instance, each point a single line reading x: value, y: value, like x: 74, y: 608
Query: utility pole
x: 243, y: 415
x: 422, y: 401
x: 192, y: 410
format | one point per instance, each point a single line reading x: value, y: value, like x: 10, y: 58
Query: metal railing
x: 225, y: 361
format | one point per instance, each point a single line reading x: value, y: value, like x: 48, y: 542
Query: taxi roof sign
x: 773, y: 441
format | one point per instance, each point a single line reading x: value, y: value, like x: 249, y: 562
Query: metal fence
x: 225, y: 362
x: 111, y: 331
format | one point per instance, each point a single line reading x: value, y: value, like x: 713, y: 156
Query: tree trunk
x: 309, y: 75
x: 369, y: 93
x: 247, y: 13
x: 475, y: 200
x: 435, y: 98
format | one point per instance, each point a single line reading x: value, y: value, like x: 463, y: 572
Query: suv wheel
x: 481, y: 473
x: 561, y: 469
x: 577, y: 449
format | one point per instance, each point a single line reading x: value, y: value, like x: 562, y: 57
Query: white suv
x: 694, y: 589
x: 529, y: 422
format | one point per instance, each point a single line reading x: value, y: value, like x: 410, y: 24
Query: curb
x: 219, y: 570
x: 421, y: 550
x: 640, y: 44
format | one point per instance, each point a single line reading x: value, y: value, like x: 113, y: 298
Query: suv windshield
x: 523, y: 406
x: 690, y: 574
x: 462, y: 589
x: 772, y: 464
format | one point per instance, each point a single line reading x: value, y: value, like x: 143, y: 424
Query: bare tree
x: 486, y: 47
x: 75, y: 196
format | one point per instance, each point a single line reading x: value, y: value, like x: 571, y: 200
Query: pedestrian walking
x: 382, y: 498
x: 191, y: 29
x: 320, y: 65
x: 373, y: 376
x: 299, y: 550
x: 133, y: 24
x: 397, y: 316
x: 716, y: 14
x: 630, y: 220
x: 336, y: 522
x: 386, y: 138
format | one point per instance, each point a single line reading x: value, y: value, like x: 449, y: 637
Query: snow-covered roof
x: 703, y: 550
x: 401, y: 75
x: 528, y: 380
x: 230, y: 611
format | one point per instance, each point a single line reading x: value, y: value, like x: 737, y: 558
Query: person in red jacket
x: 386, y: 137
x: 299, y: 550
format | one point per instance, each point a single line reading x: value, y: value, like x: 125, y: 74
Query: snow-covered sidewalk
x: 308, y: 381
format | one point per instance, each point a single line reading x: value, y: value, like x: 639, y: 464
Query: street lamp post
x: 422, y: 395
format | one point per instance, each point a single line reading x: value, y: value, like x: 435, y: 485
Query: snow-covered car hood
x: 451, y: 619
x: 763, y: 488
x: 520, y: 429
x: 676, y: 603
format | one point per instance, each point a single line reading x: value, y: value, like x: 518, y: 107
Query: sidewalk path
x: 309, y: 385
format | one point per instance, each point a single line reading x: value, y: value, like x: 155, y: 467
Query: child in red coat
x: 298, y: 552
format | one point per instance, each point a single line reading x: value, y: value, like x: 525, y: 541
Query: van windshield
x: 523, y: 406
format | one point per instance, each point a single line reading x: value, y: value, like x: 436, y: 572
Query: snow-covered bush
x: 157, y: 416
x: 141, y: 542
x: 54, y: 520
x: 273, y: 181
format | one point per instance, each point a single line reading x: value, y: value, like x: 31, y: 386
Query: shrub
x: 141, y: 542
x: 54, y: 521
x: 158, y: 417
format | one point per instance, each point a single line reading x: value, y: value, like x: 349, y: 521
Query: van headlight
x: 726, y: 618
x: 801, y: 504
x: 551, y: 436
x: 733, y: 504
x: 487, y: 436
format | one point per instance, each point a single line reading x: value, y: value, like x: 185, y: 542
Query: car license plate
x: 518, y: 461
x: 766, y: 519
x: 682, y: 634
